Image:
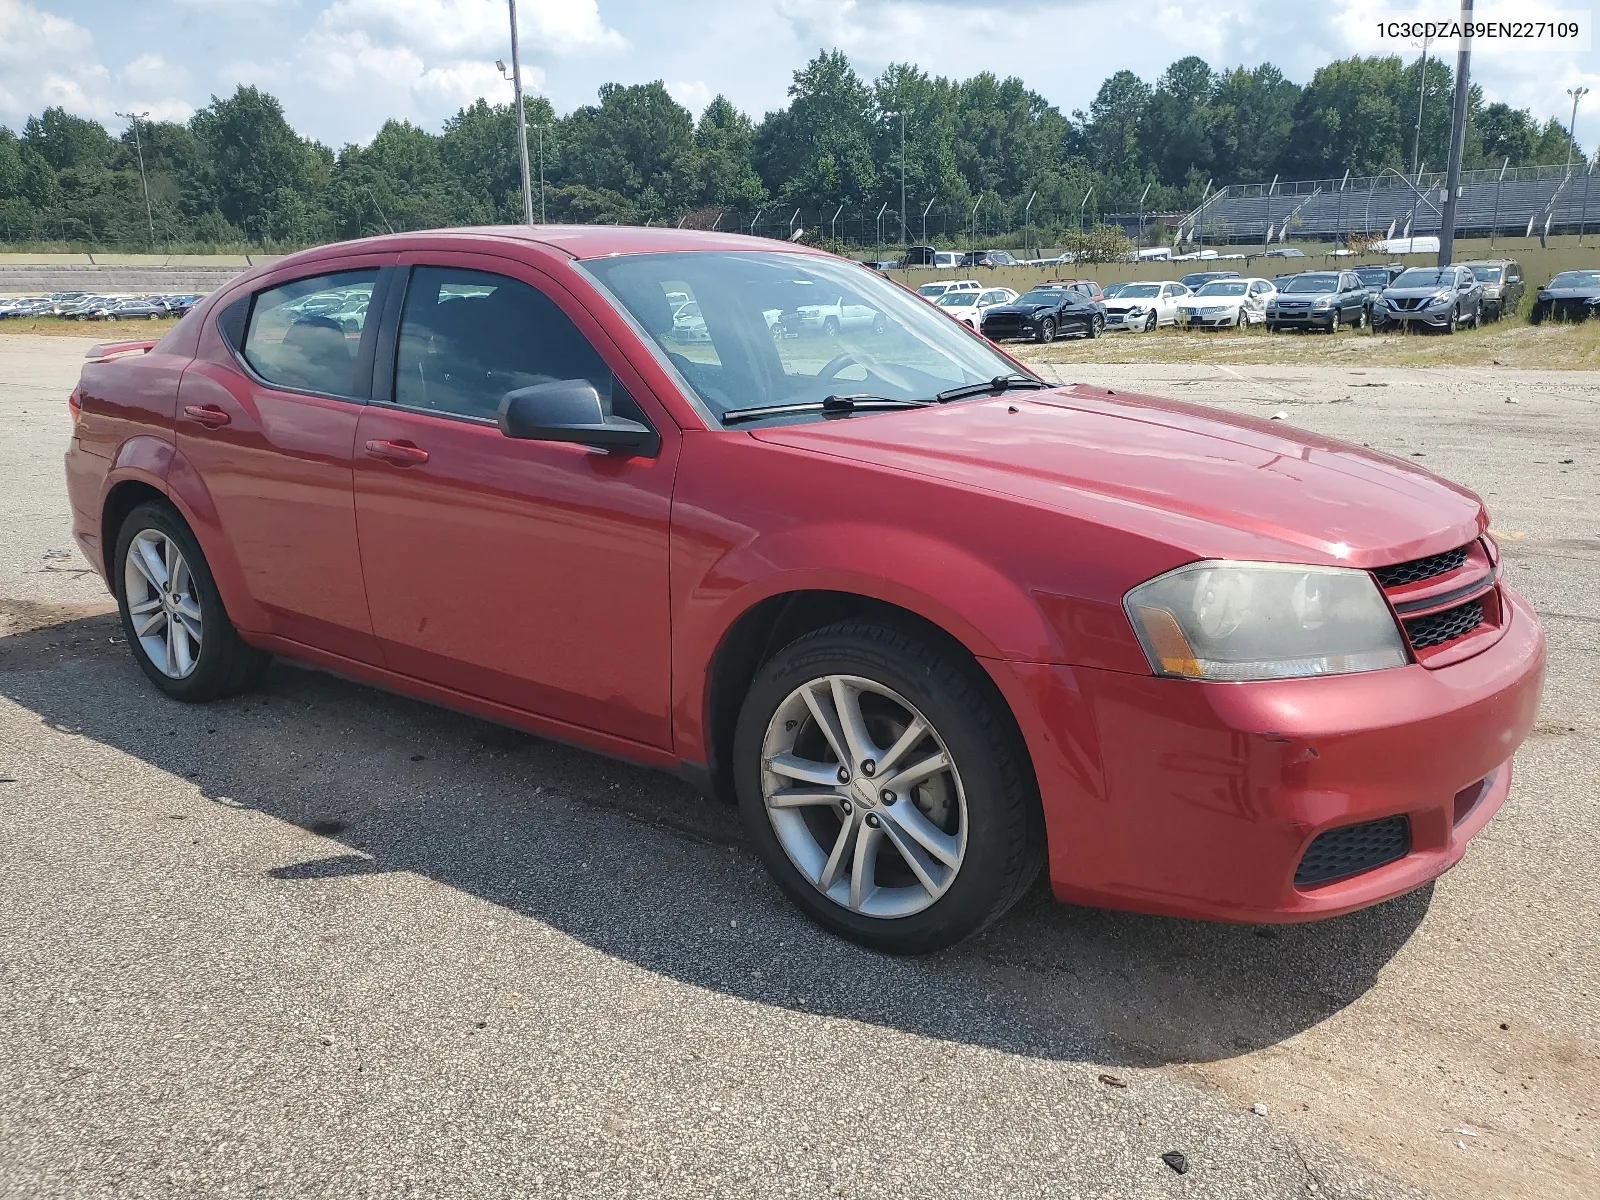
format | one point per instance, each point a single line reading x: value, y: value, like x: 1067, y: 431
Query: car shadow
x: 640, y: 866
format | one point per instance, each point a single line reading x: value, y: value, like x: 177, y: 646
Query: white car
x: 833, y: 317
x: 1145, y: 305
x: 1227, y: 304
x: 932, y: 291
x: 968, y: 307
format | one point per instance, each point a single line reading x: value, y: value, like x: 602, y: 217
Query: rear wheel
x: 172, y: 614
x: 886, y: 789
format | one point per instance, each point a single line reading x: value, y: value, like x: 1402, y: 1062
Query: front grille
x: 1340, y: 853
x: 1407, y: 303
x: 1437, y: 628
x: 1421, y: 568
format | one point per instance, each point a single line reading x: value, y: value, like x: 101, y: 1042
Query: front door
x: 532, y: 574
x: 267, y: 417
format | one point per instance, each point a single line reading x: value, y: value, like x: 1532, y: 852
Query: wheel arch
x: 771, y: 623
x: 121, y: 499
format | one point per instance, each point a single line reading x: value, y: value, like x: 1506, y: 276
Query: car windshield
x: 1043, y: 296
x: 1576, y: 279
x: 957, y: 299
x: 1426, y: 277
x: 1222, y: 289
x: 933, y: 289
x: 1312, y: 283
x: 1113, y: 289
x: 1487, y: 274
x: 1377, y: 278
x: 782, y: 328
x: 1135, y: 291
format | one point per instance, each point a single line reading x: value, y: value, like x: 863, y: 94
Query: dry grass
x: 1508, y: 343
x: 100, y: 331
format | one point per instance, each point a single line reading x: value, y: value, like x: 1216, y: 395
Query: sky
x: 342, y: 67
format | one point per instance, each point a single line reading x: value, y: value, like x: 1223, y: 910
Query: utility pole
x: 522, y: 123
x: 1577, y: 93
x: 1494, y: 226
x: 1142, y: 196
x: 925, y: 222
x: 1458, y: 137
x: 1083, y: 205
x: 903, y: 240
x: 1266, y: 236
x: 143, y: 182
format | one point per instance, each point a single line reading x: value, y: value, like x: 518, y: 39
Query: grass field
x: 105, y: 331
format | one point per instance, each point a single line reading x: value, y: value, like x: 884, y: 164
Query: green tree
x: 251, y: 153
x: 1252, y: 120
x: 820, y: 149
x: 1351, y: 115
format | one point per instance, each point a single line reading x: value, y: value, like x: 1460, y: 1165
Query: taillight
x: 75, y: 406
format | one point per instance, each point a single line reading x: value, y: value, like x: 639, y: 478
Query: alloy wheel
x: 162, y: 603
x: 864, y: 796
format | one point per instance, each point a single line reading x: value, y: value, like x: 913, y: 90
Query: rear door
x: 267, y: 417
x: 532, y: 574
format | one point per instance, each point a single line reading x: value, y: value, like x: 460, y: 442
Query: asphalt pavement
x: 321, y: 940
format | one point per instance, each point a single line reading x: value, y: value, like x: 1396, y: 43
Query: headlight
x: 1136, y: 311
x: 1234, y: 621
x: 1440, y: 298
x: 1323, y: 304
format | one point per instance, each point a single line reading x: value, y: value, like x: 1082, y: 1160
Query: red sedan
x: 753, y: 514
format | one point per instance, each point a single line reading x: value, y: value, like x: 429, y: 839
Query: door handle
x: 208, y: 415
x: 401, y: 454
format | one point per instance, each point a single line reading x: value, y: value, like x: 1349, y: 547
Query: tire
x: 1097, y: 326
x: 1272, y: 327
x: 1455, y: 321
x: 1536, y: 317
x: 1150, y: 323
x: 1333, y: 322
x: 830, y: 327
x: 986, y: 806
x: 1477, y: 317
x: 1361, y: 319
x: 1047, y: 330
x: 224, y: 665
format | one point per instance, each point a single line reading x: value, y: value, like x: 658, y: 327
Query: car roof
x: 574, y: 241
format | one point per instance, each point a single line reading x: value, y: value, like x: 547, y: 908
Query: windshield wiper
x: 1000, y: 383
x: 850, y: 403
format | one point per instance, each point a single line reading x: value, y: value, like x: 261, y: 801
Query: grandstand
x: 1508, y: 203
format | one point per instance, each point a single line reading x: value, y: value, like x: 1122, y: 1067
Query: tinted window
x: 1377, y: 278
x: 468, y: 337
x: 1426, y: 277
x: 1139, y: 291
x: 1487, y: 274
x: 1222, y: 288
x: 1576, y: 279
x: 304, y: 335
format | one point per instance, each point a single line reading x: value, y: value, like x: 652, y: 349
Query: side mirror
x: 569, y: 410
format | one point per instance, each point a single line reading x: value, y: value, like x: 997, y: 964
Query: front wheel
x: 1455, y: 321
x: 886, y: 788
x: 830, y: 327
x: 1096, y: 326
x: 1047, y: 330
x: 1333, y: 322
x: 172, y: 613
x: 1150, y: 323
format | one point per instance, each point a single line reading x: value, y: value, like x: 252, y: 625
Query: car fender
x: 944, y: 584
x: 188, y: 492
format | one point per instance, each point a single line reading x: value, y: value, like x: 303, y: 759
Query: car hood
x: 1417, y: 293
x: 1215, y: 484
x: 1211, y: 301
x: 1293, y: 296
x: 1026, y: 310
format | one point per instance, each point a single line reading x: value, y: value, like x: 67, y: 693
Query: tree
x: 1507, y: 133
x: 1350, y: 116
x: 820, y: 149
x: 68, y: 143
x: 1175, y: 129
x: 252, y: 153
x: 1114, y: 119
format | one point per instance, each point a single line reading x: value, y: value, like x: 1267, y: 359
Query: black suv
x: 988, y: 258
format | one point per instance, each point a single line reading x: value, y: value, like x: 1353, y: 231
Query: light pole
x: 1577, y: 93
x: 1458, y: 138
x: 522, y: 119
x: 138, y: 147
x: 1142, y: 196
x: 902, y: 174
x: 1422, y: 85
x: 1027, y: 220
x: 1083, y: 205
x: 925, y: 222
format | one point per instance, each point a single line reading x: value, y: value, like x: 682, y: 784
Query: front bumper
x: 1126, y: 321
x: 1437, y: 317
x: 1301, y: 316
x: 1223, y: 320
x: 1200, y: 800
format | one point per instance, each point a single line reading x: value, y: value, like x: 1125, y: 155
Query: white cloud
x: 48, y: 60
x: 693, y: 96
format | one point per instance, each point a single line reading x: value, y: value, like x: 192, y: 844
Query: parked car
x: 1196, y: 280
x: 919, y: 256
x: 836, y: 315
x: 1502, y: 285
x: 988, y: 258
x: 1143, y: 306
x: 1373, y: 281
x: 129, y: 310
x: 1286, y: 252
x: 1570, y: 296
x: 1088, y: 289
x: 932, y: 291
x: 931, y: 623
x: 1044, y: 313
x: 1318, y: 300
x: 1443, y: 297
x: 1227, y: 303
x: 969, y: 307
